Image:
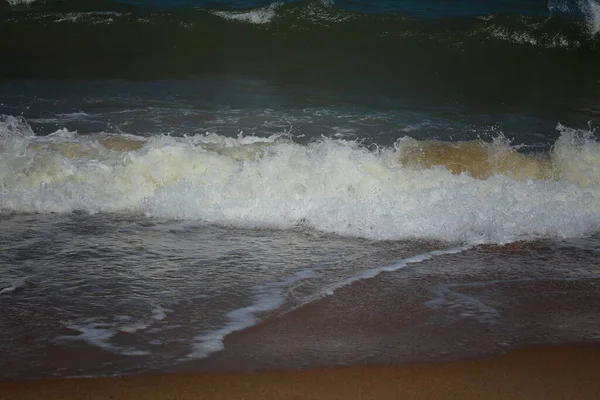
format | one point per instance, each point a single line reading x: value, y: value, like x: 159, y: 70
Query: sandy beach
x: 535, y: 373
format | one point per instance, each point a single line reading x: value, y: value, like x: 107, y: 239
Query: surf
x: 474, y: 192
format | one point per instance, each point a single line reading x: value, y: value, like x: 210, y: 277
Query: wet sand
x: 535, y: 373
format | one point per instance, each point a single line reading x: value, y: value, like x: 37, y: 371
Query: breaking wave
x: 475, y: 192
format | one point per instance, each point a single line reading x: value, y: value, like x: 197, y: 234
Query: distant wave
x: 180, y: 43
x: 591, y: 10
x: 308, y: 15
x: 257, y: 16
x: 17, y: 2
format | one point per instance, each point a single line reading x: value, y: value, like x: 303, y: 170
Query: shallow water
x: 159, y: 291
x: 103, y: 294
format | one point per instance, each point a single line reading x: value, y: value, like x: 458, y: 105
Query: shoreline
x: 418, y: 315
x: 466, y: 306
x: 530, y: 373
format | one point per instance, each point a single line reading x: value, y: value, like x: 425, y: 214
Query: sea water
x: 173, y: 172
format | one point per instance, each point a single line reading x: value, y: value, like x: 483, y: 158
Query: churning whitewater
x: 474, y: 192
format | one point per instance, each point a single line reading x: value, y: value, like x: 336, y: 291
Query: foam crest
x: 258, y: 16
x: 558, y: 5
x: 547, y: 40
x: 19, y: 2
x: 103, y: 332
x: 576, y: 157
x: 591, y: 12
x: 471, y: 192
x: 14, y: 286
x: 265, y: 298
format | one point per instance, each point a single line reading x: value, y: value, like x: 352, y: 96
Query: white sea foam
x: 19, y: 2
x: 373, y: 272
x: 591, y: 11
x: 267, y: 297
x: 514, y: 37
x: 158, y: 314
x: 13, y: 286
x: 271, y: 296
x: 558, y: 5
x: 556, y: 40
x: 91, y: 17
x: 258, y: 16
x: 100, y: 332
x: 589, y: 8
x: 335, y: 186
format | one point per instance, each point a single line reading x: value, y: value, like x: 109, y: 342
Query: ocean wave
x: 473, y: 192
x: 591, y: 11
x: 258, y: 16
x: 19, y: 2
x: 283, y: 38
x: 307, y: 15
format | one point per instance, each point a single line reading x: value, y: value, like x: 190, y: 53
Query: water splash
x: 591, y: 12
x: 589, y: 8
